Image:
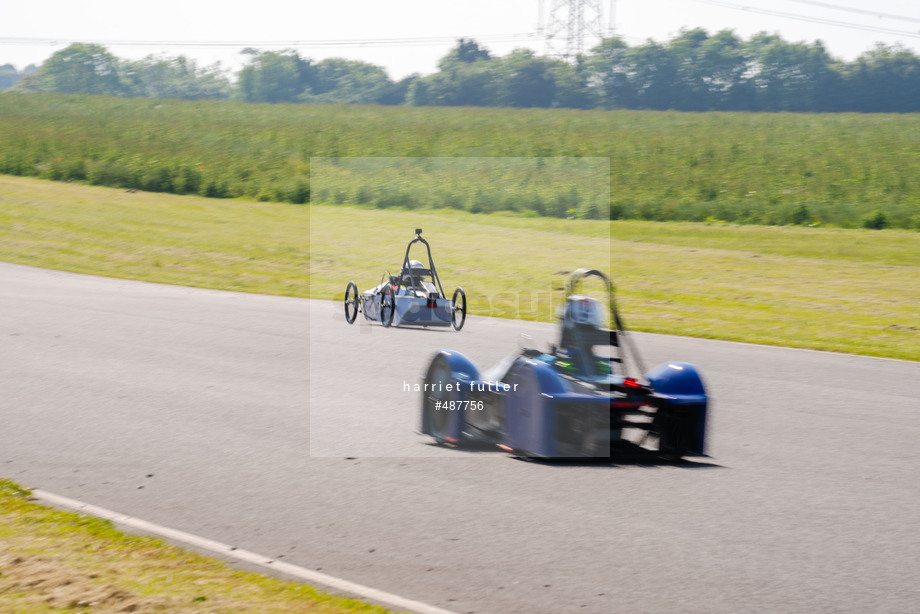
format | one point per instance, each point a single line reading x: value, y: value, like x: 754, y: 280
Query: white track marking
x: 229, y: 552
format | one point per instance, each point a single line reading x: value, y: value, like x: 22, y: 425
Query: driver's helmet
x: 413, y: 264
x: 580, y: 309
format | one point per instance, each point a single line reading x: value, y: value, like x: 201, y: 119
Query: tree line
x: 694, y: 71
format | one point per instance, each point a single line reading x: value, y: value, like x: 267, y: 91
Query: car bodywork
x: 573, y: 400
x: 414, y: 297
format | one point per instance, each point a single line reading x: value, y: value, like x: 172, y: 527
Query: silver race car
x: 415, y: 297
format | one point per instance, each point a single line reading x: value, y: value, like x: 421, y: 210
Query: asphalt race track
x: 270, y: 424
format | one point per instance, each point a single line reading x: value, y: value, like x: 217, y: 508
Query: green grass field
x: 829, y: 289
x: 782, y: 168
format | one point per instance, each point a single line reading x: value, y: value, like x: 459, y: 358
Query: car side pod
x: 446, y: 385
x: 682, y: 407
x: 530, y: 414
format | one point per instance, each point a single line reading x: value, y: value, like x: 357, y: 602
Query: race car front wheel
x: 458, y: 309
x: 435, y: 415
x: 387, y: 305
x: 351, y: 302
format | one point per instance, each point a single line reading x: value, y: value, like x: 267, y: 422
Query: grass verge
x: 55, y: 561
x: 828, y: 289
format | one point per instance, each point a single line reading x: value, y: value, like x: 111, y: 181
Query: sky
x: 410, y: 36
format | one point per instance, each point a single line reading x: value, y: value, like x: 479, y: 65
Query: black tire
x: 351, y: 302
x: 672, y: 425
x: 458, y: 306
x: 387, y: 306
x: 437, y: 420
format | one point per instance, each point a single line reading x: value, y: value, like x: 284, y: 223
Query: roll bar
x: 571, y: 288
x: 434, y: 273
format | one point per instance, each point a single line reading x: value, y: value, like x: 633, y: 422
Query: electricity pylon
x: 570, y: 23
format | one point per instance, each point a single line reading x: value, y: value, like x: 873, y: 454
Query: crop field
x: 822, y: 288
x: 562, y: 187
x: 844, y: 170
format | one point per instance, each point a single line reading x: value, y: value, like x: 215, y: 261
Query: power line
x: 820, y: 20
x: 850, y: 9
x: 362, y: 42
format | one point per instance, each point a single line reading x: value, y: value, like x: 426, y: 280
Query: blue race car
x: 575, y: 400
x: 414, y: 297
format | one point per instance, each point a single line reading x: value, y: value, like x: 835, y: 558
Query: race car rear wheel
x: 673, y: 432
x: 458, y: 309
x: 387, y: 305
x: 351, y: 302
